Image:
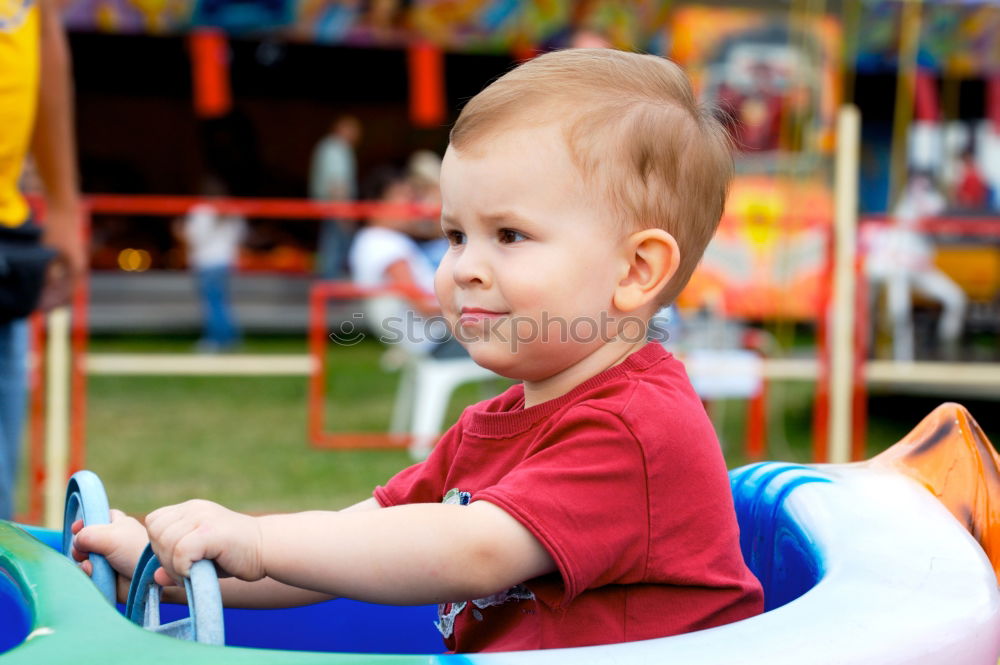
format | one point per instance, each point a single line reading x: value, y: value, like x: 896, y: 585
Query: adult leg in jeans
x: 13, y: 394
x: 334, y: 245
x: 219, y: 324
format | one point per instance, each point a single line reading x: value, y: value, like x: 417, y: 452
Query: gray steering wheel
x: 87, y: 500
x: 205, y: 623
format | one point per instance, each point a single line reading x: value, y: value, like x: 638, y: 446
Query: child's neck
x: 557, y: 385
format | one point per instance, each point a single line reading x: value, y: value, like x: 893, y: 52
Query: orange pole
x: 319, y: 293
x: 756, y: 427
x: 36, y: 421
x: 756, y: 444
x: 317, y: 351
x: 821, y: 405
x: 859, y: 408
x: 993, y: 101
x: 926, y: 104
x: 210, y: 73
x: 427, y: 96
x: 78, y: 370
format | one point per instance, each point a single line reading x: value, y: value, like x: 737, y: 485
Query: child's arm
x: 411, y: 554
x: 123, y: 540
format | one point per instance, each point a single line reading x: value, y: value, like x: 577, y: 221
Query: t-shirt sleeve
x: 375, y: 252
x: 423, y: 482
x: 582, y: 492
x: 198, y: 224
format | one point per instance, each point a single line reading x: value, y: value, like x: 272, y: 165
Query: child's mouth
x: 476, y: 315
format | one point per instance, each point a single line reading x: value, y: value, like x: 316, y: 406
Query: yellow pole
x: 56, y: 416
x: 849, y: 55
x: 950, y: 96
x: 845, y: 220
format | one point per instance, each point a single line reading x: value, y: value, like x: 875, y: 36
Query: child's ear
x: 652, y: 257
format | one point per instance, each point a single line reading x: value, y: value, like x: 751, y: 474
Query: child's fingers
x: 190, y: 548
x: 177, y: 535
x: 121, y: 542
x: 173, y: 545
x: 181, y: 545
x: 184, y: 534
x: 163, y: 578
x: 161, y: 518
x: 94, y: 538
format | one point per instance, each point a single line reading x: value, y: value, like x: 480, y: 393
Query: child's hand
x: 121, y: 542
x: 196, y: 530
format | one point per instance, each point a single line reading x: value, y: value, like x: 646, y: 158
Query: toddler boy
x: 588, y: 504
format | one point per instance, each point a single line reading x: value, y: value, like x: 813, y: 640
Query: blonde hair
x: 633, y: 128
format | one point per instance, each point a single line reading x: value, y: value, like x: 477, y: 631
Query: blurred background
x: 223, y: 146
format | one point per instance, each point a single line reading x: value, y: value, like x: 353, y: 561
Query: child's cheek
x: 444, y: 288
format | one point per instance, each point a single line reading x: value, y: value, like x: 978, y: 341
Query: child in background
x: 423, y: 171
x: 589, y: 504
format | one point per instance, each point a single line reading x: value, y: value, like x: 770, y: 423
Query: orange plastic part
x: 949, y: 454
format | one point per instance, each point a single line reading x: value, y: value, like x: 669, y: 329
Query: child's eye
x: 455, y: 238
x: 510, y: 236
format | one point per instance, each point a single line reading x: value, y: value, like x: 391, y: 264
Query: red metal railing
x: 98, y: 204
x: 103, y: 204
x: 319, y: 295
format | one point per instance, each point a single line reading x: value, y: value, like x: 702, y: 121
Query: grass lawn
x: 239, y: 440
x: 242, y: 441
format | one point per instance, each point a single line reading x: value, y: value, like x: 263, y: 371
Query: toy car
x: 860, y: 563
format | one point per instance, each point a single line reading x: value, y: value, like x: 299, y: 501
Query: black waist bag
x: 23, y: 264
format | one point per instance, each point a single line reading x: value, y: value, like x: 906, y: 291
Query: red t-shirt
x: 622, y: 480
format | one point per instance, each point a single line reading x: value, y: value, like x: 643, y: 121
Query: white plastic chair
x: 426, y: 383
x: 725, y: 373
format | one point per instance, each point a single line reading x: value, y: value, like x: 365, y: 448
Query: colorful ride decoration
x: 777, y: 76
x: 861, y: 563
x: 777, y: 83
x: 462, y: 25
x: 769, y: 258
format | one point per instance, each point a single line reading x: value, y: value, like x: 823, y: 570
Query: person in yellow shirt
x: 36, y: 118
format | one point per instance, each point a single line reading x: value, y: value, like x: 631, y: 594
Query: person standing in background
x: 333, y: 177
x: 213, y: 240
x: 37, y: 268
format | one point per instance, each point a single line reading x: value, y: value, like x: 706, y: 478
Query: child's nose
x: 471, y: 268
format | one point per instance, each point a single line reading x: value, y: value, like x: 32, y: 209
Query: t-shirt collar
x: 506, y: 416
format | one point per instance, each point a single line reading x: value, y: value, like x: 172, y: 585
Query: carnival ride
x: 788, y: 249
x: 893, y: 560
x: 888, y: 561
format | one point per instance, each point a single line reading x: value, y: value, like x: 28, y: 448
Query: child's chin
x: 505, y: 363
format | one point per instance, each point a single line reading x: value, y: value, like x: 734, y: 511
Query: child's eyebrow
x: 506, y: 217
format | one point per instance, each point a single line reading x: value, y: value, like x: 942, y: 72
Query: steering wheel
x: 87, y: 500
x: 205, y: 623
